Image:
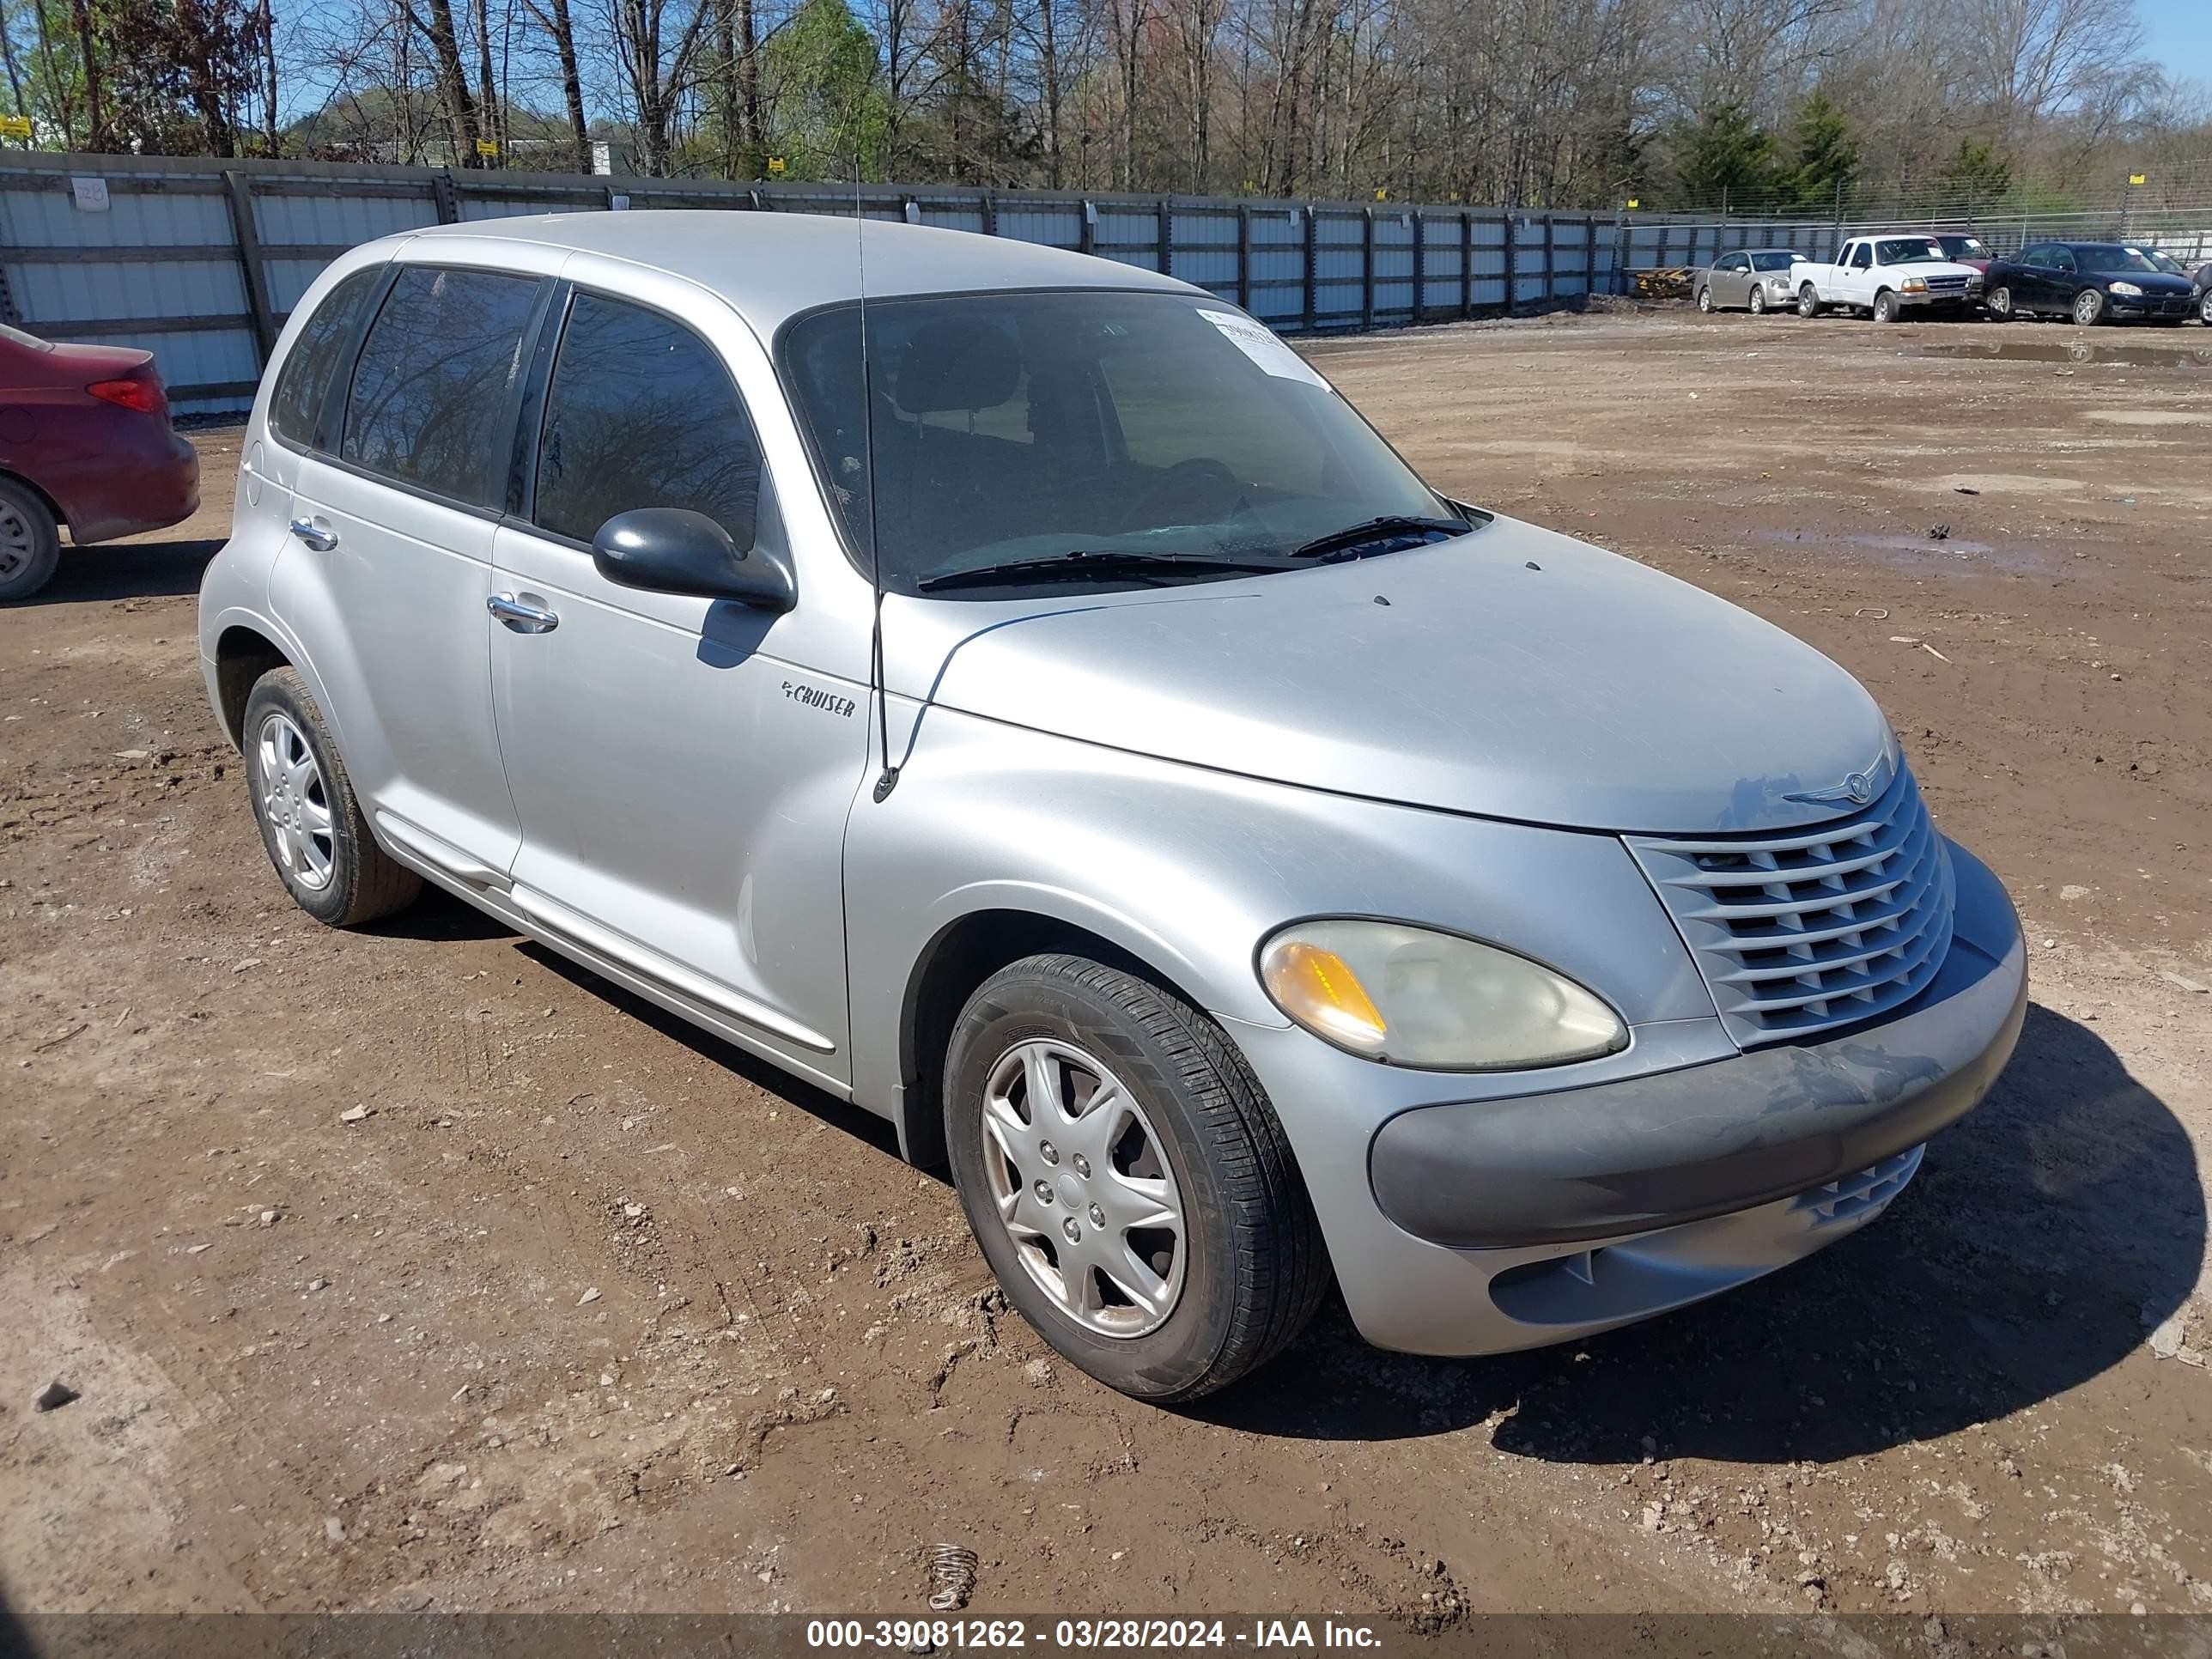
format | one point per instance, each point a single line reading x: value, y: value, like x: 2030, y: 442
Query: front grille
x: 1946, y: 284
x: 1800, y: 933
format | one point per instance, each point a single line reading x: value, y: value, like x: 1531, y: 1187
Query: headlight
x: 1409, y: 996
x: 2127, y: 290
x: 1913, y: 285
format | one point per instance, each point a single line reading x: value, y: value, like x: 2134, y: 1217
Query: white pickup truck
x: 1888, y: 276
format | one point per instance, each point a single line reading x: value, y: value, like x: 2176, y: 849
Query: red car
x: 85, y: 441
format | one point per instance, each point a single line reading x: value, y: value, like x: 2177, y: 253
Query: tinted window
x: 432, y: 382
x: 1859, y: 257
x: 642, y: 413
x: 2036, y: 258
x: 306, y: 375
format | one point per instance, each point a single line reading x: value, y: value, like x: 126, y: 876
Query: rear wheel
x: 30, y: 543
x: 1808, y: 301
x: 312, y: 826
x: 1705, y: 296
x: 2088, y: 307
x: 1126, y: 1179
x: 1885, y: 307
x: 2204, y: 309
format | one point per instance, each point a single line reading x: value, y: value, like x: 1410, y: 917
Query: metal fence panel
x: 210, y: 257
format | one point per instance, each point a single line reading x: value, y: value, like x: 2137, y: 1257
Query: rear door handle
x: 522, y: 618
x: 321, y: 538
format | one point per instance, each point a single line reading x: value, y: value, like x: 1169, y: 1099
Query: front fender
x: 1188, y: 869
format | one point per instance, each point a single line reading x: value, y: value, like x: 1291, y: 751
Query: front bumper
x: 1511, y: 1222
x: 2178, y: 307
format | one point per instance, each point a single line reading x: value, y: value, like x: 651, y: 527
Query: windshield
x: 1906, y: 251
x: 1176, y: 436
x: 1772, y: 261
x: 2108, y: 256
x: 1968, y: 247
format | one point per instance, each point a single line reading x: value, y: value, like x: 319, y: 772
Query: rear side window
x: 430, y: 390
x: 640, y: 412
x: 298, y: 398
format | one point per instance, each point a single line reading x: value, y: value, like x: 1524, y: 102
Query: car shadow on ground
x: 2047, y: 1233
x: 126, y: 570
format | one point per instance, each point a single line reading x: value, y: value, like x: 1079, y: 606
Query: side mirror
x: 673, y: 549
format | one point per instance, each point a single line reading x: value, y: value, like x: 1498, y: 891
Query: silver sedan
x: 1756, y: 279
x: 1021, y: 698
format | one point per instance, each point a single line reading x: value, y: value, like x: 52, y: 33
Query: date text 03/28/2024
x: 940, y: 1635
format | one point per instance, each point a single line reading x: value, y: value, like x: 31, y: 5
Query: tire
x: 312, y: 824
x: 2204, y: 309
x: 30, y: 543
x: 1808, y: 301
x: 1706, y: 297
x: 2000, y: 303
x: 2088, y: 309
x: 1885, y: 307
x: 1759, y: 302
x: 1241, y: 1271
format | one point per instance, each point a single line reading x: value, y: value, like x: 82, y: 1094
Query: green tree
x: 1977, y: 170
x: 1825, y: 156
x: 1724, y: 153
x: 826, y: 111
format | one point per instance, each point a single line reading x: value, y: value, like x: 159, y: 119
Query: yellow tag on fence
x: 775, y: 167
x: 485, y: 147
x: 14, y: 126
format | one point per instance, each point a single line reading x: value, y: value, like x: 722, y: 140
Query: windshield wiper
x: 1389, y: 527
x: 1083, y: 564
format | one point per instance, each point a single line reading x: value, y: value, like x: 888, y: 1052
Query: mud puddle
x: 2074, y: 351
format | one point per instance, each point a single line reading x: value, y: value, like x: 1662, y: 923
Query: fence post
x: 1311, y: 233
x: 239, y: 193
x: 1466, y: 265
x: 990, y: 213
x: 445, y: 196
x: 1244, y: 255
x: 1167, y: 238
x: 1088, y: 237
x: 1367, y: 269
x: 1512, y: 261
x: 1420, y: 265
x: 1551, y: 267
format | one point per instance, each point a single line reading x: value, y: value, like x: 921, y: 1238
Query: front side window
x: 1860, y: 257
x: 305, y: 376
x: 640, y: 413
x: 1016, y: 426
x: 430, y: 389
x: 2037, y: 259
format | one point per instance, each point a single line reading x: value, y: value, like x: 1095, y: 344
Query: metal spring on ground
x: 953, y: 1572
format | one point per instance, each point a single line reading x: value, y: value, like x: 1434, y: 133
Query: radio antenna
x: 887, y: 780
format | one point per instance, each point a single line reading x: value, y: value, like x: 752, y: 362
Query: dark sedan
x: 2090, y: 282
x: 85, y: 441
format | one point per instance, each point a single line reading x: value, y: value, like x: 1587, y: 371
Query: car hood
x: 1511, y: 673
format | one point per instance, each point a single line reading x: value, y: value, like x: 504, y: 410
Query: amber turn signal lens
x: 1318, y: 988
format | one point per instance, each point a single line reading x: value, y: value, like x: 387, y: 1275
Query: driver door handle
x: 522, y: 618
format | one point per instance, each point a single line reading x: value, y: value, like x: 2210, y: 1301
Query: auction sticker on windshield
x: 1258, y: 341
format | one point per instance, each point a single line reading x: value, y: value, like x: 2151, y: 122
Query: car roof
x: 770, y: 266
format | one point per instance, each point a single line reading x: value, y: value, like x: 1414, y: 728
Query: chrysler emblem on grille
x: 1860, y: 789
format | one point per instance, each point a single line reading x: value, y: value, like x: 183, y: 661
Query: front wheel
x: 312, y: 823
x: 1885, y: 307
x: 1759, y: 302
x: 1127, y: 1178
x: 1808, y: 301
x: 2000, y: 303
x: 2088, y: 307
x: 30, y: 543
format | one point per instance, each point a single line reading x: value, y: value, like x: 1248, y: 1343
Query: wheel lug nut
x: 1098, y: 1218
x: 1047, y: 1152
x: 1074, y: 1233
x: 1044, y: 1192
x: 1081, y: 1166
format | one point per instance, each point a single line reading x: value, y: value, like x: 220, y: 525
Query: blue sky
x: 2179, y: 34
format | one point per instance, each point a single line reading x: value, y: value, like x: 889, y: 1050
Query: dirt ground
x: 591, y: 1312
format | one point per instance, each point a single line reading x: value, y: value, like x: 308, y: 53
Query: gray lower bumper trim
x: 1625, y: 1157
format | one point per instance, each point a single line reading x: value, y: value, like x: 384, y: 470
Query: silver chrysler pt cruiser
x: 1017, y: 695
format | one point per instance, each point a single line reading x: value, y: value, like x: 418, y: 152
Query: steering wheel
x: 1201, y: 489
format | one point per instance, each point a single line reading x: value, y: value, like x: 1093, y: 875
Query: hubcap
x: 2085, y: 309
x: 1083, y: 1187
x: 293, y: 803
x: 15, y: 540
